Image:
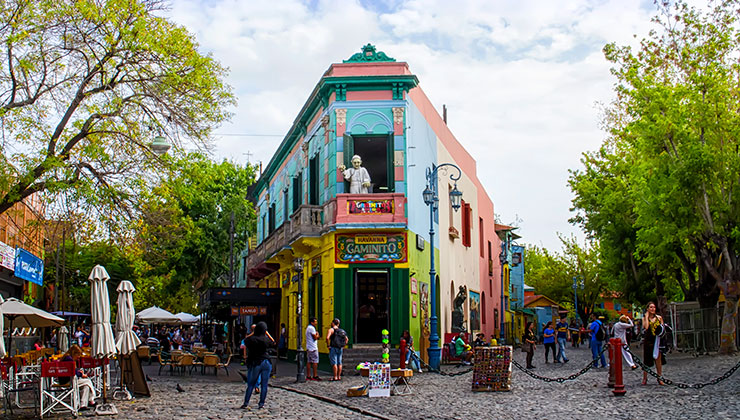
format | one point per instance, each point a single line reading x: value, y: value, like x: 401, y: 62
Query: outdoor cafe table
x: 401, y: 386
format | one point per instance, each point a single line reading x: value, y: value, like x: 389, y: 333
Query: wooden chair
x: 164, y: 362
x: 225, y: 365
x: 210, y: 361
x: 185, y: 361
x: 175, y: 355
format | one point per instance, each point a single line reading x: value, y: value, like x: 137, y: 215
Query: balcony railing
x: 344, y: 210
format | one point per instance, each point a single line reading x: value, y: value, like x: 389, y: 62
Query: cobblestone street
x: 444, y: 397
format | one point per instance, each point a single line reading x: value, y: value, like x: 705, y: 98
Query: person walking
x: 528, y: 344
x: 597, y: 340
x: 548, y: 339
x: 620, y: 331
x: 652, y: 325
x: 312, y: 349
x: 258, y: 363
x: 562, y: 336
x: 336, y: 339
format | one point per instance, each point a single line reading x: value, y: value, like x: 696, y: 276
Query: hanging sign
x: 234, y: 311
x: 315, y: 265
x: 29, y: 267
x: 372, y: 248
x: 253, y: 310
x: 370, y: 206
x: 7, y: 256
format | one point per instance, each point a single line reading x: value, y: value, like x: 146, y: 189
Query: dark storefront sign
x: 371, y: 248
x: 29, y: 267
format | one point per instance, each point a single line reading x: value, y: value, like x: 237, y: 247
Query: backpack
x: 601, y: 332
x: 339, y: 338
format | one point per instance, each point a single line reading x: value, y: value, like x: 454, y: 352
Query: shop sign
x: 370, y: 206
x: 7, y: 256
x: 316, y: 265
x: 29, y: 267
x: 234, y: 311
x: 253, y: 310
x: 373, y: 248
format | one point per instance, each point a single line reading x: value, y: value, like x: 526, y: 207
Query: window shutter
x: 349, y: 150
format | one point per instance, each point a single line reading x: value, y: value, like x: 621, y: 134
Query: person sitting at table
x: 462, y: 349
x: 38, y: 345
x: 85, y: 385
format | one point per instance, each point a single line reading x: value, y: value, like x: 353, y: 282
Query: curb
x: 333, y: 401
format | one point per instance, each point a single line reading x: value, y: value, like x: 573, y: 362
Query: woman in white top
x: 620, y: 332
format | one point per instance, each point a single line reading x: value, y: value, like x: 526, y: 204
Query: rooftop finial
x: 369, y: 54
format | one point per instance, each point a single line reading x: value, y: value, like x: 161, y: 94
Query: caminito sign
x: 374, y: 248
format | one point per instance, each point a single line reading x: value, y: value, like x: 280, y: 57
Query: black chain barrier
x: 682, y: 385
x: 439, y: 371
x: 561, y: 379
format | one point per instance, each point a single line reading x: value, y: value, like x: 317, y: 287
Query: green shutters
x: 348, y: 150
x: 400, y: 311
x: 344, y: 300
x: 390, y: 158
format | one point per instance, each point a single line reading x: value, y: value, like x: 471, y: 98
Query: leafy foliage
x: 673, y: 154
x: 84, y: 84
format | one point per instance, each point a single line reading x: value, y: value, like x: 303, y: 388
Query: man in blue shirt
x: 562, y: 328
x: 596, y: 345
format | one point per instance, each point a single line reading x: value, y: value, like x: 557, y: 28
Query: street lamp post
x: 300, y: 352
x: 431, y: 199
x: 577, y: 283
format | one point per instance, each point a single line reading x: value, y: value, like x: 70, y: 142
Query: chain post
x: 616, y: 367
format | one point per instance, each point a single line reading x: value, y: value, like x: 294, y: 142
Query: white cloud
x: 520, y: 79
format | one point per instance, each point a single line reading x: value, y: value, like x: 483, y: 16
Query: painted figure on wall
x: 359, y: 179
x: 458, y: 315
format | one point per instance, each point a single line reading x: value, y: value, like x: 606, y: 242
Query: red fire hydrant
x: 616, y: 347
x: 403, y: 353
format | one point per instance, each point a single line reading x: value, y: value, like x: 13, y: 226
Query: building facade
x: 364, y: 257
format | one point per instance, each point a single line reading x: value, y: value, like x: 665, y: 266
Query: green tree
x: 676, y: 126
x: 552, y: 274
x: 83, y: 87
x: 183, y: 240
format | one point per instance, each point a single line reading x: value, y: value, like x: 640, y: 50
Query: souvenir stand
x: 492, y: 369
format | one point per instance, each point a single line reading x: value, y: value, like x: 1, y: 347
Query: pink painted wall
x: 491, y: 285
x: 370, y: 95
x: 367, y: 69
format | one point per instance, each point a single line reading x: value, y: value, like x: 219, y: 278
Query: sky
x: 524, y: 82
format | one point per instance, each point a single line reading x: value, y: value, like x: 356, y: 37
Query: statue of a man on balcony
x: 359, y: 179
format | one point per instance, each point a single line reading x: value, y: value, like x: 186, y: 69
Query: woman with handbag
x: 528, y: 344
x: 652, y: 325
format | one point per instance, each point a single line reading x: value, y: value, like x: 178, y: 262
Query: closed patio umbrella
x: 63, y: 339
x: 103, y: 344
x: 126, y: 339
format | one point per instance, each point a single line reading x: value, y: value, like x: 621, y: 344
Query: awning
x: 262, y: 270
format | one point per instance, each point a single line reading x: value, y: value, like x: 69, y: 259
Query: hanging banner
x: 29, y: 267
x: 371, y: 248
x: 7, y: 256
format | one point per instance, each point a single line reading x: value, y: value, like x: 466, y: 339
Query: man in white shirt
x: 312, y: 349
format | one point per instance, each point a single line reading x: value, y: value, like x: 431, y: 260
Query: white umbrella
x: 126, y: 339
x: 18, y: 314
x: 155, y: 315
x: 103, y: 344
x: 186, y: 318
x: 63, y: 339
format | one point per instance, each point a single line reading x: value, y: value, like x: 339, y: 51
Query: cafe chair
x: 56, y: 397
x: 225, y: 365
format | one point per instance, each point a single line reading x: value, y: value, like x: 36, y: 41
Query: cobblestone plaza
x: 445, y: 397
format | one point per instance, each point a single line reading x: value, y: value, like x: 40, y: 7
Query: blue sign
x: 29, y: 267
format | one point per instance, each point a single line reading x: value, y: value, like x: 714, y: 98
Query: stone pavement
x: 443, y: 397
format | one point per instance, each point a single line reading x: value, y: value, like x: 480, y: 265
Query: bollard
x: 612, y: 352
x: 403, y: 354
x: 619, y: 390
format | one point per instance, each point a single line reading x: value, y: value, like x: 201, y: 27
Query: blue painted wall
x: 516, y: 281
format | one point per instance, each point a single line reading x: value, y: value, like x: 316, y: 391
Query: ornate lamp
x: 428, y: 195
x: 455, y: 198
x: 160, y: 145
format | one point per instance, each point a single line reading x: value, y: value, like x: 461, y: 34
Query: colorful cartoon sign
x: 372, y: 248
x: 370, y: 206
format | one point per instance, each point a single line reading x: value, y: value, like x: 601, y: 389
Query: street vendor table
x: 401, y: 386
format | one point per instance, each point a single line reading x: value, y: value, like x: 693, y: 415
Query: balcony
x: 345, y: 211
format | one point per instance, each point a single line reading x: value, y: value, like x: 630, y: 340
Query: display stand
x: 379, y: 380
x: 492, y: 369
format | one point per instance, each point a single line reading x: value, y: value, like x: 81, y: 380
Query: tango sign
x: 385, y: 248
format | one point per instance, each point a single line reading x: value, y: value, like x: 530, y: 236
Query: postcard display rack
x: 379, y: 380
x: 492, y: 369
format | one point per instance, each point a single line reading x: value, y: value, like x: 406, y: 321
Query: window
x: 297, y: 191
x: 271, y: 218
x: 313, y: 179
x: 372, y: 149
x: 285, y: 205
x: 483, y: 307
x: 490, y: 260
x: 480, y: 236
x: 466, y: 228
x: 314, y: 299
